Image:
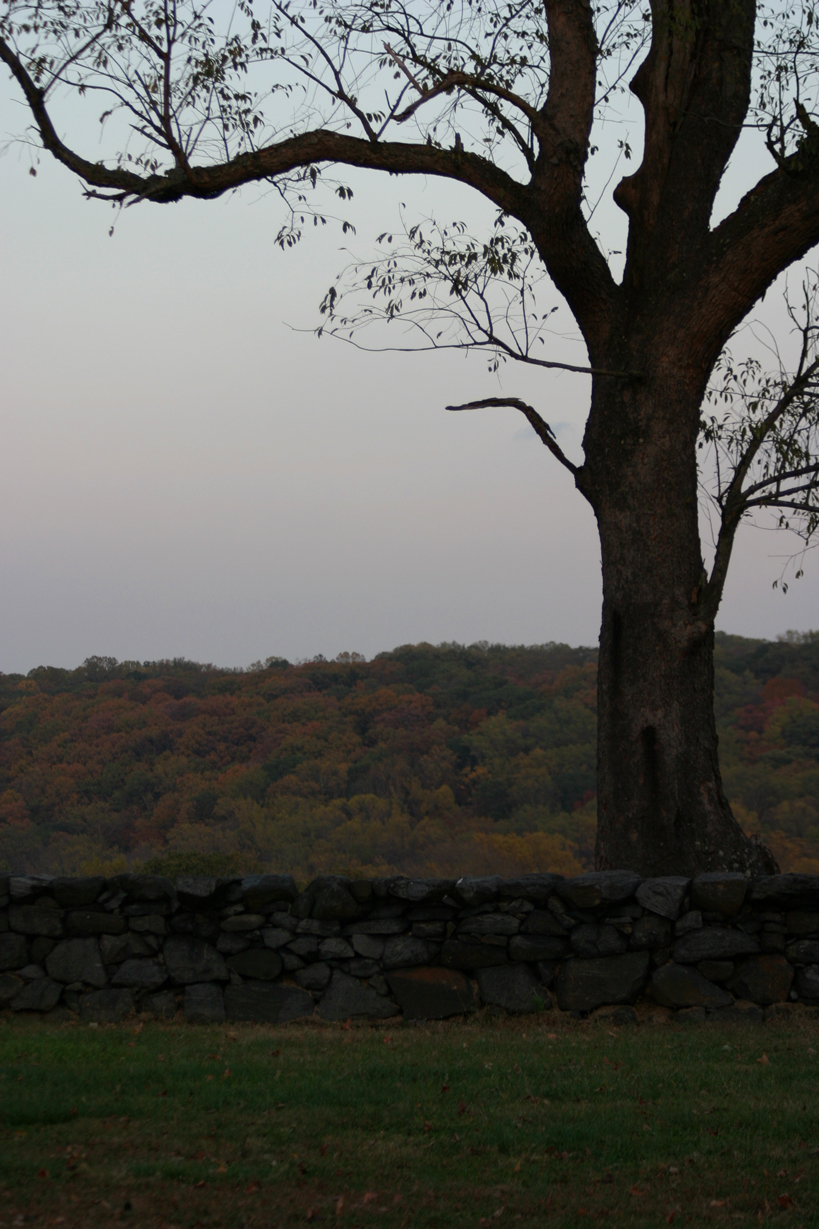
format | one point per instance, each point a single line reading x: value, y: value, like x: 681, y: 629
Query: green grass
x: 547, y: 1122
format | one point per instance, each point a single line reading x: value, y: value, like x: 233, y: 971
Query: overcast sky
x: 183, y: 474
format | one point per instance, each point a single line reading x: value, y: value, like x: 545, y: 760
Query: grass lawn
x: 542, y: 1122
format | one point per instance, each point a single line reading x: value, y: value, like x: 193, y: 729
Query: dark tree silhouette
x: 504, y: 97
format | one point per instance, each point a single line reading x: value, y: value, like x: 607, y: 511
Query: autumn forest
x: 426, y: 761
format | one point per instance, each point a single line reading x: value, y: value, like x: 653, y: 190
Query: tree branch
x: 540, y: 426
x: 306, y: 149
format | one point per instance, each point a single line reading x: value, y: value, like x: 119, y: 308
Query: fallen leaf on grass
x: 427, y: 1126
x: 227, y: 1072
x: 461, y: 1107
x: 445, y: 1088
x: 763, y: 1061
x: 310, y: 1214
x: 635, y: 1190
x: 669, y: 1220
x: 784, y: 1201
x: 718, y: 1203
x: 41, y: 1173
x: 249, y: 1190
x: 369, y: 1196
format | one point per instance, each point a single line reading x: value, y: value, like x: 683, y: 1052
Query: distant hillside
x: 427, y: 760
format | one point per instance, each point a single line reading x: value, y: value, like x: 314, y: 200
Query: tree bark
x: 661, y: 805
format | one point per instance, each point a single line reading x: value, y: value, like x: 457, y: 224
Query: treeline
x: 426, y: 760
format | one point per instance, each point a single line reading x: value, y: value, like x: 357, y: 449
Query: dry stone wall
x: 259, y: 949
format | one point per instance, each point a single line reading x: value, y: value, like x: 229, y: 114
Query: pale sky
x: 182, y: 474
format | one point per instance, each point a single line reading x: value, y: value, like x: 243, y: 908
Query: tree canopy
x: 426, y: 760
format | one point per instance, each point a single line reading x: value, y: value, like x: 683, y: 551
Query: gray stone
x: 429, y: 930
x: 77, y: 960
x: 592, y: 939
x: 30, y: 972
x: 799, y: 922
x: 489, y: 924
x: 714, y: 943
x: 583, y: 985
x: 4, y: 921
x: 10, y: 987
x: 34, y: 920
x: 738, y: 1013
x: 231, y: 945
x: 13, y: 951
x: 69, y: 893
x: 106, y: 1006
x: 283, y: 921
x: 140, y: 975
x: 276, y: 936
x: 535, y: 888
x: 92, y: 922
x: 763, y: 979
x: 689, y: 921
x: 650, y: 932
x: 806, y: 982
x: 471, y: 890
x: 290, y: 961
x: 361, y: 967
x: 21, y: 887
x: 803, y: 951
x: 421, y: 891
x: 39, y: 947
x: 664, y: 895
x: 305, y: 946
x: 195, y: 891
x: 314, y: 977
x: 332, y: 899
x: 259, y: 892
x: 719, y: 892
x: 542, y: 922
x: 116, y: 948
x: 152, y: 923
x: 204, y: 1004
x: 268, y: 1003
x: 39, y: 995
x: 691, y: 1015
x: 242, y: 922
x: 598, y: 888
x: 260, y: 963
x: 402, y: 951
x: 456, y: 954
x: 191, y: 960
x: 377, y: 926
x: 676, y: 985
x: 346, y: 997
x: 320, y: 929
x: 145, y: 889
x: 785, y: 892
x: 161, y: 1006
x: 532, y: 948
x: 716, y: 970
x: 362, y: 890
x: 513, y: 987
x: 431, y: 993
x: 335, y: 949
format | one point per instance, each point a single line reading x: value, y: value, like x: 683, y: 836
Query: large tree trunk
x: 661, y: 806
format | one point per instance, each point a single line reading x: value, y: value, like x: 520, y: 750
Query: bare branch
x: 540, y: 426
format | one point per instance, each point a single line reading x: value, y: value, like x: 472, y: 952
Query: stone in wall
x: 372, y: 948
